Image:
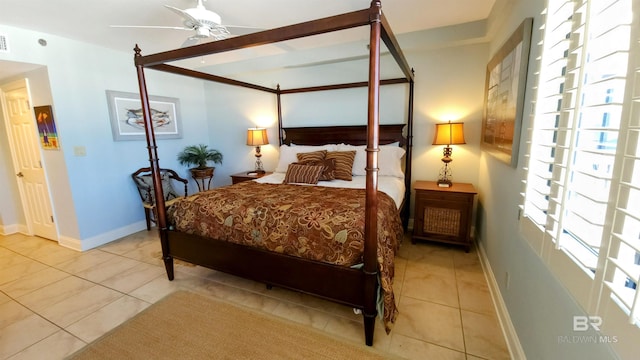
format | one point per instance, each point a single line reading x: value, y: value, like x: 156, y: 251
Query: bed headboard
x: 353, y: 135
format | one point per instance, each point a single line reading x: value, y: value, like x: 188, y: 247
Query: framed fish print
x: 127, y: 122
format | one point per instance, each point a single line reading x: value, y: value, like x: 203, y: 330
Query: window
x: 582, y: 191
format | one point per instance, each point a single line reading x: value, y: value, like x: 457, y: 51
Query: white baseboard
x: 8, y: 229
x: 71, y: 243
x: 82, y: 245
x: 513, y: 343
x: 13, y: 229
x: 110, y: 236
x: 104, y: 238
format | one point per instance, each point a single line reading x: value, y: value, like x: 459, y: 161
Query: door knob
x: 20, y: 174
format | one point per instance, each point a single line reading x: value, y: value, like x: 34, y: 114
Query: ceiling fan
x: 205, y: 23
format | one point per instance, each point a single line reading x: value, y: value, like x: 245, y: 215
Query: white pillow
x: 288, y: 154
x: 389, y: 159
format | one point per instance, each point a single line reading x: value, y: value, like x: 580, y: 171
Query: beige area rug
x: 185, y: 325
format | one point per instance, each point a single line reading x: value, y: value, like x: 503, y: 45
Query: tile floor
x: 53, y: 300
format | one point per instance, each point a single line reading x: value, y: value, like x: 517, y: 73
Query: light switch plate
x: 79, y: 151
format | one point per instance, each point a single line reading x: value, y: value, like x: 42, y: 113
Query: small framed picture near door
x: 47, y: 131
x: 127, y: 122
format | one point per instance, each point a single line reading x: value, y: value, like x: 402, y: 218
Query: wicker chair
x: 144, y: 182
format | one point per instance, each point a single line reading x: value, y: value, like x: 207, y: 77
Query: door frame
x: 8, y: 86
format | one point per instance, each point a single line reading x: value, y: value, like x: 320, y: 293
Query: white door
x: 27, y: 162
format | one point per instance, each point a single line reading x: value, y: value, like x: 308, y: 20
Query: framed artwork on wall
x: 504, y: 96
x: 127, y: 123
x: 47, y: 131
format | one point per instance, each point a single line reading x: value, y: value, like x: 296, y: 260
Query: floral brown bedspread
x: 314, y: 222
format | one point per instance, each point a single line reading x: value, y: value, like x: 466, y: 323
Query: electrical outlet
x: 507, y: 280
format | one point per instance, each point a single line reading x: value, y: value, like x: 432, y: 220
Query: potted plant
x: 199, y: 156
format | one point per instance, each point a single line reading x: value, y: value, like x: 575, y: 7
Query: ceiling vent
x: 4, y: 43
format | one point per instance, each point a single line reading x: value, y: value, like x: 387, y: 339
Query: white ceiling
x: 90, y: 20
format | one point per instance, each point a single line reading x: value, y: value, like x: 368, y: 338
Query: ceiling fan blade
x: 242, y: 30
x: 190, y: 42
x: 190, y: 20
x: 243, y: 27
x: 150, y: 27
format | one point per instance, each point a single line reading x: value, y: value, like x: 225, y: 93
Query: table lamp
x: 448, y: 134
x: 257, y: 137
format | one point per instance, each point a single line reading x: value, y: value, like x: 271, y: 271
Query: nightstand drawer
x: 440, y: 196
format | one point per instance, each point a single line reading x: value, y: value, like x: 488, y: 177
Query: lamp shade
x: 257, y: 137
x: 449, y: 134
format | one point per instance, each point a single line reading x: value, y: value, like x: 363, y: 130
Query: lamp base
x: 258, y: 168
x: 444, y: 178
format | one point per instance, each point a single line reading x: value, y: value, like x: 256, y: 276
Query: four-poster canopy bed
x: 355, y: 286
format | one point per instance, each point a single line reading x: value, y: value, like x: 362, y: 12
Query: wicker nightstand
x: 246, y: 176
x: 443, y: 214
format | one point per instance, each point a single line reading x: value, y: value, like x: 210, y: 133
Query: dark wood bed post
x: 371, y: 216
x: 408, y: 157
x: 278, y: 97
x: 152, y: 148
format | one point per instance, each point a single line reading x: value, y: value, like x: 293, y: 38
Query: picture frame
x: 46, y: 124
x: 127, y: 123
x: 505, y: 86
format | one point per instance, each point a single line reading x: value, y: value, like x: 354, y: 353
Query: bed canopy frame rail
x: 379, y: 31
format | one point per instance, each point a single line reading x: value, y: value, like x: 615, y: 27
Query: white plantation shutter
x: 622, y: 263
x: 582, y: 191
x: 546, y: 145
x: 600, y: 44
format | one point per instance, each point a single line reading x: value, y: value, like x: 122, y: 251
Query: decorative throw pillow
x: 311, y: 156
x: 303, y: 174
x: 344, y: 163
x: 328, y: 166
x: 288, y: 154
x: 360, y: 160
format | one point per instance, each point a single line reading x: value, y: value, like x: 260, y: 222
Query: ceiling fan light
x: 203, y: 32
